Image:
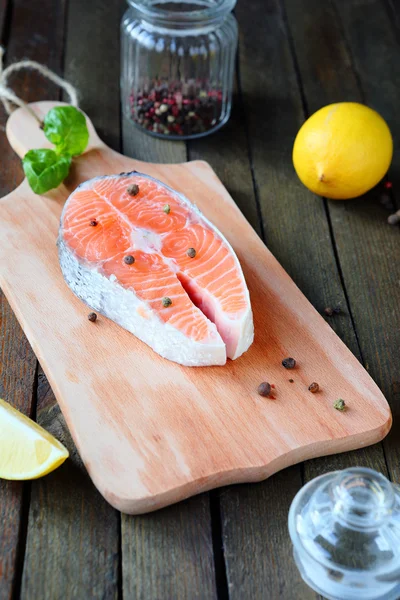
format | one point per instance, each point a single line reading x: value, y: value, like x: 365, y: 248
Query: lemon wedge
x: 27, y: 451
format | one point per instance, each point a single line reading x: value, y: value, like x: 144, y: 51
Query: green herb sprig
x: 65, y: 127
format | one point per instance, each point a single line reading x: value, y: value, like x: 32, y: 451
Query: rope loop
x: 9, y: 98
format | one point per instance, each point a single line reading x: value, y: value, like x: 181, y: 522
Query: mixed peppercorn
x: 176, y: 109
x: 265, y: 389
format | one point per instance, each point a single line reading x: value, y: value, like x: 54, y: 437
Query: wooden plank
x: 335, y: 73
x: 18, y: 362
x: 228, y: 154
x: 253, y: 519
x: 73, y: 543
x: 92, y: 58
x: 4, y: 8
x: 154, y: 547
x: 395, y: 13
x: 73, y: 536
x: 328, y: 75
x: 372, y: 276
x: 257, y: 547
x: 17, y: 377
x: 169, y: 553
x: 320, y: 47
x: 293, y: 221
x: 329, y: 285
x: 171, y: 550
x: 240, y: 509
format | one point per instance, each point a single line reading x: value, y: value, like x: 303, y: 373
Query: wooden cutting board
x: 152, y: 432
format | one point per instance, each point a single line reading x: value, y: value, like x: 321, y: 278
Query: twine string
x: 9, y: 98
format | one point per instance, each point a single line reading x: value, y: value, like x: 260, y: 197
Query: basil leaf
x: 65, y: 127
x: 45, y: 169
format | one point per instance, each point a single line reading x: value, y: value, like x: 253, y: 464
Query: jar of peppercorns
x: 178, y: 62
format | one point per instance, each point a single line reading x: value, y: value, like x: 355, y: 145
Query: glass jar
x: 178, y: 62
x: 345, y: 529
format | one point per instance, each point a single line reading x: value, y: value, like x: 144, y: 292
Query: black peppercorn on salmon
x: 141, y: 254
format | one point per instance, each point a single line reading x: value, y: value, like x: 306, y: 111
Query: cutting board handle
x: 23, y: 131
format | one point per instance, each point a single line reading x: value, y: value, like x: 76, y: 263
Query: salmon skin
x: 144, y: 256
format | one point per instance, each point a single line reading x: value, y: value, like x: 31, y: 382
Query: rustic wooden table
x: 58, y: 537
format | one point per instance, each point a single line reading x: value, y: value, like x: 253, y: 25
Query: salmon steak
x: 144, y: 256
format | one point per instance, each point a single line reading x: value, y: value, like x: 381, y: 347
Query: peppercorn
x: 264, y: 389
x: 93, y: 222
x: 166, y: 302
x: 313, y: 387
x: 191, y: 252
x: 167, y: 209
x: 291, y: 380
x: 92, y: 317
x: 133, y: 189
x: 166, y: 109
x: 129, y: 259
x: 289, y: 363
x: 340, y: 404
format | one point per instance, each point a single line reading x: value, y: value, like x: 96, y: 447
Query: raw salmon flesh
x: 141, y: 254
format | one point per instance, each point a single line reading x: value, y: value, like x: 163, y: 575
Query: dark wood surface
x: 58, y: 537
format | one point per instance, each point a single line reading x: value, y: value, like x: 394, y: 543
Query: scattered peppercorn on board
x: 150, y: 431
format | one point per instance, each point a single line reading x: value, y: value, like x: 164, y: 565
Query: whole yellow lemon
x: 343, y: 150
